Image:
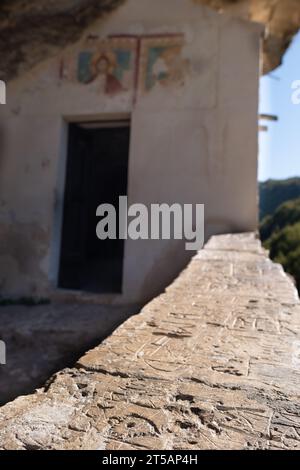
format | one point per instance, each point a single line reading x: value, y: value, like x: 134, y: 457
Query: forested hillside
x: 280, y: 226
x: 272, y: 193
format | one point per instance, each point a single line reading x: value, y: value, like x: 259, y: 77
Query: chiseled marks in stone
x: 213, y: 363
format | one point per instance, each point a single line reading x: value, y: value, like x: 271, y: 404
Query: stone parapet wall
x: 212, y: 363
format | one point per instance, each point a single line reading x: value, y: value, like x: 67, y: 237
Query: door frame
x: 98, y: 121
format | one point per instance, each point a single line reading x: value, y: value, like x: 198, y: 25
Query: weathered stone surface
x: 43, y: 339
x: 36, y: 29
x: 280, y: 17
x: 213, y: 363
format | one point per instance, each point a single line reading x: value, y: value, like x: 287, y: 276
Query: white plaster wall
x: 196, y: 144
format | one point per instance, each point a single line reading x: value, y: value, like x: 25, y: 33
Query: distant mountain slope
x: 286, y: 214
x: 280, y: 234
x: 274, y: 192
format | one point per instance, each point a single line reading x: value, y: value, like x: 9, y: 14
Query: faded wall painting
x: 108, y: 66
x: 129, y: 63
x: 161, y: 62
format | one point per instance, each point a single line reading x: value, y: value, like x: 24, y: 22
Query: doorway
x: 96, y: 173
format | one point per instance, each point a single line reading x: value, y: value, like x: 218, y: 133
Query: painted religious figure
x: 121, y: 63
x: 109, y: 65
x: 161, y: 62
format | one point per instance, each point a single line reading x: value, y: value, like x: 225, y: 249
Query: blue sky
x: 279, y: 148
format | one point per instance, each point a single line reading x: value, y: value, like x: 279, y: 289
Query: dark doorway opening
x: 96, y: 173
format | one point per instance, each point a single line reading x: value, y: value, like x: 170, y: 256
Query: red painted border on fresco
x: 139, y: 38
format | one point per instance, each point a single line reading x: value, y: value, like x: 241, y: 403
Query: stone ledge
x: 213, y: 363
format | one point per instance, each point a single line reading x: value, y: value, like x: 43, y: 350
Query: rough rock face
x: 213, y: 363
x: 32, y: 30
x: 281, y: 18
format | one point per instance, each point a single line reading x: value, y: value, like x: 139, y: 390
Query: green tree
x: 273, y: 193
x: 284, y: 246
x: 286, y: 214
